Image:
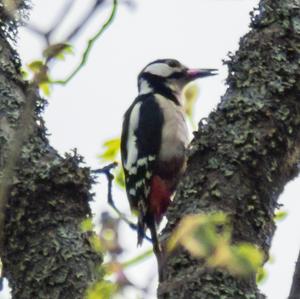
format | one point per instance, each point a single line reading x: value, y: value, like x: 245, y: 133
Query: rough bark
x: 43, y: 197
x: 295, y: 288
x: 244, y: 153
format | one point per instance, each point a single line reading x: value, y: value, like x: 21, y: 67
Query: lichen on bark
x: 244, y: 153
x: 43, y: 198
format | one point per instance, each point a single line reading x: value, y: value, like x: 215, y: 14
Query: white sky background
x: 90, y: 108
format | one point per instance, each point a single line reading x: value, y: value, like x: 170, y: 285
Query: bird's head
x: 169, y: 75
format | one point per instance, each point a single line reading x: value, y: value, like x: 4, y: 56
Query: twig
x: 106, y: 170
x: 89, y: 15
x: 134, y: 260
x: 59, y: 19
x: 35, y: 30
x: 85, y: 19
x: 137, y: 259
x: 62, y: 16
x: 89, y: 46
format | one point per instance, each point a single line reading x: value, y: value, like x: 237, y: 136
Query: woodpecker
x: 154, y: 141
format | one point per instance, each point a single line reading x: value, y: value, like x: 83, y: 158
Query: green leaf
x: 24, y: 74
x: 111, y: 149
x: 190, y: 95
x: 58, y: 51
x: 36, y: 66
x: 40, y: 72
x: 261, y: 275
x: 119, y: 177
x: 96, y: 243
x: 101, y: 290
x: 45, y: 88
x: 208, y: 236
x: 197, y: 233
x: 280, y: 215
x: 87, y: 225
x: 246, y: 259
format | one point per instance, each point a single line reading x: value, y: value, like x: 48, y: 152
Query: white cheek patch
x: 160, y: 69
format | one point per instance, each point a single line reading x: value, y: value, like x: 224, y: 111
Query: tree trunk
x: 43, y: 197
x: 295, y: 288
x: 244, y: 154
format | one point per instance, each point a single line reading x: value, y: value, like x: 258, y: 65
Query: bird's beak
x: 193, y: 74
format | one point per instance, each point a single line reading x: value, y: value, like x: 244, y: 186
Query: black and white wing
x: 140, y: 144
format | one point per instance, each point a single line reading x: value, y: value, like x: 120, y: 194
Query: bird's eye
x: 174, y: 64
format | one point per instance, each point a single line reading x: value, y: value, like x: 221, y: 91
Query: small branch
x: 60, y: 17
x: 137, y: 259
x: 295, y: 288
x: 35, y: 30
x: 46, y: 35
x: 89, y: 46
x: 85, y: 19
x: 106, y: 170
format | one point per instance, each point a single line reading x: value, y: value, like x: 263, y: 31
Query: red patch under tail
x: 159, y: 197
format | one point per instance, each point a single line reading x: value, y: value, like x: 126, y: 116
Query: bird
x: 154, y: 142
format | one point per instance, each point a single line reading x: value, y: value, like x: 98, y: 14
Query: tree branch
x: 60, y: 18
x: 44, y: 198
x: 106, y: 170
x: 15, y: 145
x: 56, y: 24
x: 85, y: 19
x: 295, y: 288
x: 242, y: 158
x: 89, y: 46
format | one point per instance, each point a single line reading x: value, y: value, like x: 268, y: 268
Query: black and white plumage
x: 154, y: 140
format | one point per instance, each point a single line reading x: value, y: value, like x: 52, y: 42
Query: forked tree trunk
x: 239, y: 163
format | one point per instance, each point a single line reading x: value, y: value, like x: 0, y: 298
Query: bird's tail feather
x: 141, y: 227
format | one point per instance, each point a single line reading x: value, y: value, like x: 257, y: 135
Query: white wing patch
x: 131, y: 146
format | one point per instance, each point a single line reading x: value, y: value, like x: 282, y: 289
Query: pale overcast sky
x: 89, y: 110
